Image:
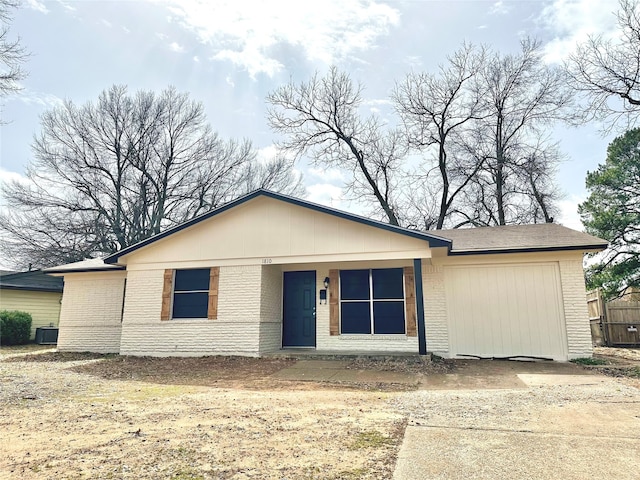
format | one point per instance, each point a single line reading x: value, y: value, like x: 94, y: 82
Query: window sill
x: 367, y: 337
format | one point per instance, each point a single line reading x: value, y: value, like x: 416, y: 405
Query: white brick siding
x: 239, y: 297
x: 270, y: 309
x: 270, y: 337
x: 91, y: 312
x: 435, y: 309
x: 354, y: 343
x: 236, y: 331
x: 575, y: 309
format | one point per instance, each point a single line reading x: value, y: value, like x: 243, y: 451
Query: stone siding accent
x: 575, y: 309
x: 91, y: 312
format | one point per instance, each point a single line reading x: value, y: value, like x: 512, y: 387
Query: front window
x: 372, y: 301
x: 191, y: 293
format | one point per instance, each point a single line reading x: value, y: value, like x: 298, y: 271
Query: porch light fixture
x: 326, y: 282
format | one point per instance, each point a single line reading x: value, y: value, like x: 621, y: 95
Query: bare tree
x: 437, y: 111
x: 12, y: 54
x: 274, y: 174
x: 110, y: 174
x: 607, y: 72
x: 321, y: 118
x: 523, y: 98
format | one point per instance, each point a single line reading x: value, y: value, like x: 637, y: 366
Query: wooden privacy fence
x: 615, y: 323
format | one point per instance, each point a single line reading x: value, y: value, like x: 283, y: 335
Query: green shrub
x: 15, y: 327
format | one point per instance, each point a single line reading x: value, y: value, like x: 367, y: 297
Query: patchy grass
x: 88, y: 426
x: 590, y: 361
x: 187, y: 475
x: 26, y: 348
x: 59, y: 357
x: 630, y: 372
x: 371, y: 439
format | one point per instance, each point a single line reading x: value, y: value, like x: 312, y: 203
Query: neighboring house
x: 268, y: 271
x: 33, y: 292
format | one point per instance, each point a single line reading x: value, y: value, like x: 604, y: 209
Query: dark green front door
x: 299, y: 309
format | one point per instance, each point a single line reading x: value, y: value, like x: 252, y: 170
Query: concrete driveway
x: 510, y: 420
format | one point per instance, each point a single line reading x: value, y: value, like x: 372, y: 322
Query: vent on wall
x: 46, y: 335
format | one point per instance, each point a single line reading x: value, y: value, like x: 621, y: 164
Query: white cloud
x: 37, y: 6
x: 246, y: 32
x: 106, y: 23
x: 196, y: 59
x: 327, y: 174
x: 176, y: 47
x: 569, y: 212
x: 9, y: 176
x: 499, y: 8
x: 66, y: 6
x: 265, y: 154
x: 572, y: 21
x: 270, y: 152
x: 325, y: 194
x: 42, y: 99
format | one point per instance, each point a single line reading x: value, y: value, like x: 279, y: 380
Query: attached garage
x: 506, y: 311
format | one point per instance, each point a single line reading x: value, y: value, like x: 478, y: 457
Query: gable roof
x: 35, y: 280
x: 433, y: 239
x: 538, y: 237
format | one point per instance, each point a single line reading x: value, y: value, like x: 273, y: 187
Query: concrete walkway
x: 505, y: 420
x: 560, y: 423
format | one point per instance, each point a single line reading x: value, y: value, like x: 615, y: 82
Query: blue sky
x: 229, y: 54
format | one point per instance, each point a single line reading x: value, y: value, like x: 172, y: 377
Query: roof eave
x: 115, y: 268
x: 583, y: 248
x: 34, y: 289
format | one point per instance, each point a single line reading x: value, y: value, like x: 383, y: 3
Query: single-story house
x: 268, y: 272
x: 33, y: 292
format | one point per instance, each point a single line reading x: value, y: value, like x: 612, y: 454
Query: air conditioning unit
x: 47, y: 335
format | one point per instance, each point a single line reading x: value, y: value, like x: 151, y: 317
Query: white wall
x: 575, y: 309
x: 270, y: 309
x: 91, y: 312
x: 236, y: 331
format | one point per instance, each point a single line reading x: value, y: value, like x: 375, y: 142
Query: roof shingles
x: 536, y: 237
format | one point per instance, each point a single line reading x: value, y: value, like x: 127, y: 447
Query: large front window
x: 372, y: 301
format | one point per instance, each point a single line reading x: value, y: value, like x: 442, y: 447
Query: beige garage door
x: 506, y: 310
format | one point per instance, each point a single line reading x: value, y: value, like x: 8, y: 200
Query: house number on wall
x: 266, y: 260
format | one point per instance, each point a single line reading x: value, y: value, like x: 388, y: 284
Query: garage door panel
x: 503, y: 310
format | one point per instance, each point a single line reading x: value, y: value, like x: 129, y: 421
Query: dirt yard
x: 83, y: 416
x: 86, y: 416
